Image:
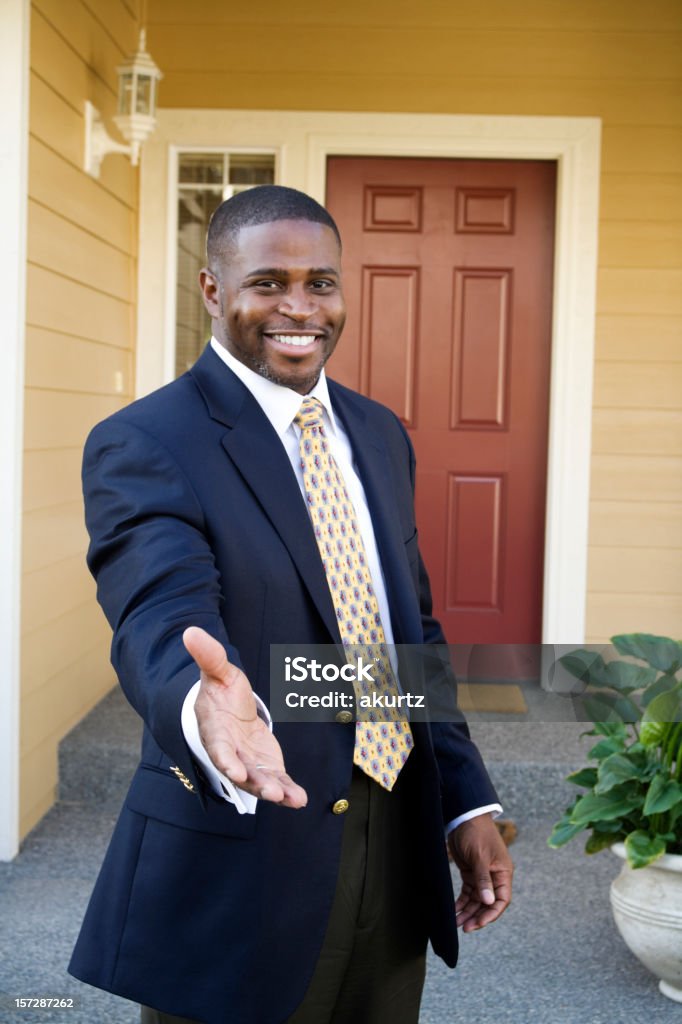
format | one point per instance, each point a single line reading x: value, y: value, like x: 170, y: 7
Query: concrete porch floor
x: 555, y: 957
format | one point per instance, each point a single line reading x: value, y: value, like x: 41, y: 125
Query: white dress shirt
x: 280, y: 405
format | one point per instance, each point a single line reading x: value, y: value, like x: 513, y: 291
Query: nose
x: 297, y: 303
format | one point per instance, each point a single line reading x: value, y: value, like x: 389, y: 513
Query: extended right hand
x: 237, y: 740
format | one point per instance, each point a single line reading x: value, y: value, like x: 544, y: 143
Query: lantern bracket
x: 98, y: 142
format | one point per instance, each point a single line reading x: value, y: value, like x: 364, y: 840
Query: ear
x: 210, y: 289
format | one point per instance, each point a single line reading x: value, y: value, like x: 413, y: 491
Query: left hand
x: 486, y: 869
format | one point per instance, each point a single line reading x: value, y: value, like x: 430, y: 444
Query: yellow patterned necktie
x: 381, y: 747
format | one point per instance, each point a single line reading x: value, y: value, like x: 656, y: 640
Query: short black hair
x: 261, y: 205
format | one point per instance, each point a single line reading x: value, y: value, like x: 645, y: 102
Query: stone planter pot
x: 647, y: 907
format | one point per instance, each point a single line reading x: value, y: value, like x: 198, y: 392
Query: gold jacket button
x: 340, y: 807
x: 344, y: 717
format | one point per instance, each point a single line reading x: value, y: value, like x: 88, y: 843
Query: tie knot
x: 310, y: 413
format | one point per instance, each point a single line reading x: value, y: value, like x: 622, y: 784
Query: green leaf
x: 600, y: 711
x: 607, y: 707
x: 608, y: 827
x: 662, y: 684
x: 603, y: 807
x: 590, y: 667
x: 581, y: 663
x: 660, y: 651
x: 615, y: 770
x: 651, y: 734
x: 615, y: 729
x: 643, y: 849
x: 622, y: 676
x: 562, y: 832
x: 625, y: 677
x: 585, y: 777
x: 639, y: 755
x: 663, y: 794
x: 605, y: 748
x: 666, y: 707
x: 599, y: 841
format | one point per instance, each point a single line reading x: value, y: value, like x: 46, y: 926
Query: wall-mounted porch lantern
x: 138, y: 77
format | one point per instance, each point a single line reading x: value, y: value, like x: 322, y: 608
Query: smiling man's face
x: 276, y: 301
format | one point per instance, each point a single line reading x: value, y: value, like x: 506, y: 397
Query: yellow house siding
x: 82, y: 240
x: 635, y: 570
x: 624, y: 337
x: 614, y: 612
x: 618, y: 60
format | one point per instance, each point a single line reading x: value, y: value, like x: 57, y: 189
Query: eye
x: 266, y: 285
x: 322, y: 284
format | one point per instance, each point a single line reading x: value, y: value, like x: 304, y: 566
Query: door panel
x: 448, y: 278
x: 389, y: 337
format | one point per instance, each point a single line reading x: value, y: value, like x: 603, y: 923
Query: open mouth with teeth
x: 294, y: 341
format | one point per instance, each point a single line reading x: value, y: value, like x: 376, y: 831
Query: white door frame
x: 14, y: 84
x: 303, y: 140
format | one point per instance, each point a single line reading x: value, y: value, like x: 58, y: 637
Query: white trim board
x: 14, y: 86
x: 303, y: 140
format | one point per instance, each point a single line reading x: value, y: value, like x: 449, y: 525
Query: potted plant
x: 631, y: 799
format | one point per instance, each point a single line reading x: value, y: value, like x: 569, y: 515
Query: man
x: 315, y: 905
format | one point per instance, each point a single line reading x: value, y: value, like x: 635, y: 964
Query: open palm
x: 237, y: 740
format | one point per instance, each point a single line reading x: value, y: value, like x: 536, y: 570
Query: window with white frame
x: 204, y: 181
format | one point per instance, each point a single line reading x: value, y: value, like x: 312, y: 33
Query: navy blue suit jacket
x: 196, y: 518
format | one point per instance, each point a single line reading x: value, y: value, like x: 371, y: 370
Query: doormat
x: 502, y: 698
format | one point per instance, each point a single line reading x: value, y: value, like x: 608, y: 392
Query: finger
x: 208, y: 653
x: 295, y: 796
x: 275, y: 793
x: 488, y: 874
x: 272, y: 790
x: 284, y: 791
x: 273, y: 784
x: 486, y: 892
x: 230, y: 764
x: 465, y: 897
x: 486, y: 915
x: 484, y: 887
x: 466, y: 906
x: 467, y: 913
x: 503, y: 886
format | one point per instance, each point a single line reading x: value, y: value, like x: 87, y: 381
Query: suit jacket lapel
x: 258, y: 454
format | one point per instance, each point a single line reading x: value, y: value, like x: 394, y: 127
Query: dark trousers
x: 372, y: 963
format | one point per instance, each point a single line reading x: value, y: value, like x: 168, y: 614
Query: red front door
x: 448, y: 278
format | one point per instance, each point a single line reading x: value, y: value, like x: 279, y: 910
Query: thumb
x: 208, y: 652
x: 485, y: 889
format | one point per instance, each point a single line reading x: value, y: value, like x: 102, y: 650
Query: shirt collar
x: 279, y: 404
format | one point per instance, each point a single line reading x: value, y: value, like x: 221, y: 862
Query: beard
x: 302, y: 383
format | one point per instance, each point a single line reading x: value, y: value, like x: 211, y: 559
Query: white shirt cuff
x: 245, y: 803
x: 494, y: 809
